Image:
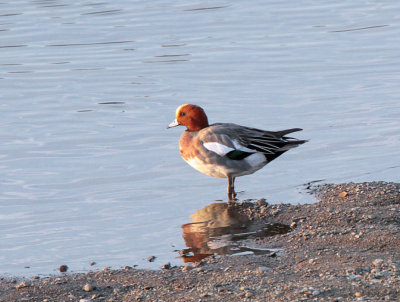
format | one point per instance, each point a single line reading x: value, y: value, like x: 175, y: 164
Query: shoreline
x: 345, y: 247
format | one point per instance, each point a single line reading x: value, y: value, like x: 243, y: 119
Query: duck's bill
x: 173, y: 124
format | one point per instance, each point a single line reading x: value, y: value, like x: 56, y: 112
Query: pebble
x: 151, y: 258
x: 92, y: 263
x: 63, y: 268
x: 358, y: 294
x: 22, y: 284
x: 88, y: 287
x: 342, y: 194
x: 208, y: 295
x: 263, y: 269
x: 166, y: 265
x: 261, y: 202
x: 186, y: 268
x: 377, y: 262
x: 276, y: 212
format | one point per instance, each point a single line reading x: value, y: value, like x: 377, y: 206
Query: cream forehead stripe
x: 178, y: 109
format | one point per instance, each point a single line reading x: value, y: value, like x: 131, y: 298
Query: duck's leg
x: 231, y: 188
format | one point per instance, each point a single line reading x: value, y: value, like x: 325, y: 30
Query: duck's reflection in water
x: 221, y: 229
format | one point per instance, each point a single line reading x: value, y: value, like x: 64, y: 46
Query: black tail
x: 289, y: 143
x: 287, y: 131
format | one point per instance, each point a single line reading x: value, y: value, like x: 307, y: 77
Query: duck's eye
x: 182, y: 113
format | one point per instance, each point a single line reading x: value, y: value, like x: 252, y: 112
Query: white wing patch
x: 218, y: 148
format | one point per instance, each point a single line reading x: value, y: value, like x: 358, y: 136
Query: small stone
x: 22, y: 284
x: 342, y: 194
x: 63, y: 268
x: 275, y: 212
x: 358, y: 294
x: 312, y: 261
x: 88, y: 287
x: 293, y: 225
x: 84, y: 300
x: 166, y: 265
x: 151, y: 258
x: 262, y: 269
x: 377, y: 262
x: 92, y: 263
x: 261, y: 202
x: 208, y: 295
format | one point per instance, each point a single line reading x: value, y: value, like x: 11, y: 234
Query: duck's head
x: 191, y: 116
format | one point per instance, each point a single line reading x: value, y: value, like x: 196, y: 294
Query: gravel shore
x: 345, y: 247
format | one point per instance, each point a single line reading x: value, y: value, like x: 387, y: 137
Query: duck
x: 228, y: 150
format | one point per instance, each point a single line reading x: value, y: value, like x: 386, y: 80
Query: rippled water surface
x: 88, y: 170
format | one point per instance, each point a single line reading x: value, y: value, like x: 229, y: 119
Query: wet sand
x: 345, y: 247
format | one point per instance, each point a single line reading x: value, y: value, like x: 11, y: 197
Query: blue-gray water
x: 88, y: 170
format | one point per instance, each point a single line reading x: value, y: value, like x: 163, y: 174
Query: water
x: 88, y: 171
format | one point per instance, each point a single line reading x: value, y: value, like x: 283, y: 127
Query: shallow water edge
x: 344, y: 247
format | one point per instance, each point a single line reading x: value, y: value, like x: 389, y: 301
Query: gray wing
x: 271, y: 143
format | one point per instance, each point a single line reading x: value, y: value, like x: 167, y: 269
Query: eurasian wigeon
x: 228, y: 150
